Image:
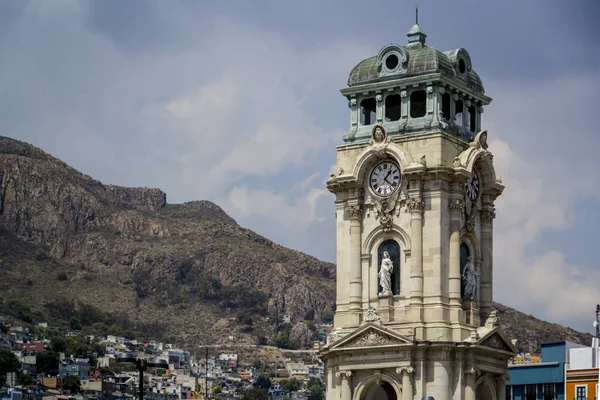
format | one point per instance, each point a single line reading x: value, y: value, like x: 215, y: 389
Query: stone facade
x: 426, y: 338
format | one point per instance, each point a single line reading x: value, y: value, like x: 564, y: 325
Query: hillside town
x: 50, y: 363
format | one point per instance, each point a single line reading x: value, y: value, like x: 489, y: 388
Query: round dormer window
x: 391, y: 62
x: 462, y: 66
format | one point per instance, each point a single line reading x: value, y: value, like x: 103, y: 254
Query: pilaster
x: 353, y: 104
x: 407, y: 385
x: 416, y: 205
x: 379, y: 108
x: 487, y: 272
x: 354, y: 211
x: 346, y: 377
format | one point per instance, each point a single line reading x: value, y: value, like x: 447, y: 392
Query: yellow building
x: 582, y: 384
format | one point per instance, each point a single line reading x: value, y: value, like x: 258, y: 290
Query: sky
x: 238, y: 102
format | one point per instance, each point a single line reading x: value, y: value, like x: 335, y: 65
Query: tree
x: 25, y: 379
x: 47, y: 362
x: 290, y: 385
x: 71, y: 383
x: 315, y: 389
x: 8, y: 363
x: 58, y: 344
x: 256, y: 394
x: 263, y: 381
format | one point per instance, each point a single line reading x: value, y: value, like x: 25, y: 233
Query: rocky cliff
x: 173, y: 256
x: 76, y: 251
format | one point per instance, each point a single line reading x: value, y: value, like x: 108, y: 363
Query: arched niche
x: 393, y: 248
x: 364, y: 387
x: 378, y: 235
x: 470, y: 240
x: 485, y: 389
x: 372, y: 155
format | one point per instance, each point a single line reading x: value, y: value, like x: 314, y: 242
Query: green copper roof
x: 419, y: 60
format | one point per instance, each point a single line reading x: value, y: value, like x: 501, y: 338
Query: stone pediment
x: 498, y: 341
x: 371, y: 335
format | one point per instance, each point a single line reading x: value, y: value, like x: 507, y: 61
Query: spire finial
x: 417, y: 15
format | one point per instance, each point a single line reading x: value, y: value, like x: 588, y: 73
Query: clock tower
x: 414, y: 189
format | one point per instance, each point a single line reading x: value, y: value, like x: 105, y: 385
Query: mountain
x: 113, y: 259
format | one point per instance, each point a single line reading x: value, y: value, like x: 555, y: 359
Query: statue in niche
x: 379, y: 139
x: 469, y: 279
x: 385, y: 275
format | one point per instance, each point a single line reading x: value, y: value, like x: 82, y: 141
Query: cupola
x: 416, y: 89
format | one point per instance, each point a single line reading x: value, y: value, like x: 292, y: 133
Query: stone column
x: 501, y: 387
x: 355, y: 213
x: 416, y: 205
x: 353, y: 104
x: 479, y: 112
x: 404, y: 104
x: 379, y: 109
x: 441, y: 381
x: 487, y: 252
x: 454, y: 275
x: 346, y: 384
x: 470, y: 378
x: 466, y: 117
x: 407, y: 387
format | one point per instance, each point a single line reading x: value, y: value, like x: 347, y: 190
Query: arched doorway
x: 393, y: 249
x: 485, y: 392
x: 381, y: 391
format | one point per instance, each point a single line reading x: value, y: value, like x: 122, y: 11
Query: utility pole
x: 597, y: 324
x: 206, y: 374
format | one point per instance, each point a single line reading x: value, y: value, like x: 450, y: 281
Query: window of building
x: 393, y: 249
x: 446, y: 106
x: 508, y: 393
x: 530, y: 392
x: 418, y: 104
x: 549, y: 391
x: 458, y: 113
x: 367, y: 111
x: 393, y: 105
x: 580, y: 392
x: 472, y: 119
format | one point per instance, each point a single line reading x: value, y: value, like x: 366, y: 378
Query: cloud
x: 543, y: 149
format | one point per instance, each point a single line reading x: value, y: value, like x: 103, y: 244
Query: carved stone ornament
x: 354, y: 211
x: 415, y: 204
x: 471, y: 222
x: 473, y: 371
x: 333, y: 337
x: 456, y: 163
x: 487, y: 215
x: 492, y: 320
x: 379, y: 97
x: 371, y: 315
x: 340, y: 171
x: 345, y: 374
x: 352, y: 102
x: 385, y: 210
x: 405, y: 370
x: 372, y: 338
x: 495, y: 342
x: 457, y: 204
x: 379, y: 140
x: 423, y: 161
x: 480, y: 141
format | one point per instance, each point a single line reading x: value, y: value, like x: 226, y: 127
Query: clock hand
x: 388, y: 174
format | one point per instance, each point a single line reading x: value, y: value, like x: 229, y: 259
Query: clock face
x: 473, y: 186
x: 385, y: 178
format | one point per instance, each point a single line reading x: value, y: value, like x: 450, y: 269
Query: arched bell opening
x: 381, y: 391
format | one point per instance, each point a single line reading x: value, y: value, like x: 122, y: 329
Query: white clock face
x: 473, y: 186
x: 385, y: 178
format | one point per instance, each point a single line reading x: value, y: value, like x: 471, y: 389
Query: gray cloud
x: 181, y: 95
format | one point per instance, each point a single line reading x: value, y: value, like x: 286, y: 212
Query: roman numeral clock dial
x: 473, y: 186
x: 385, y: 178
